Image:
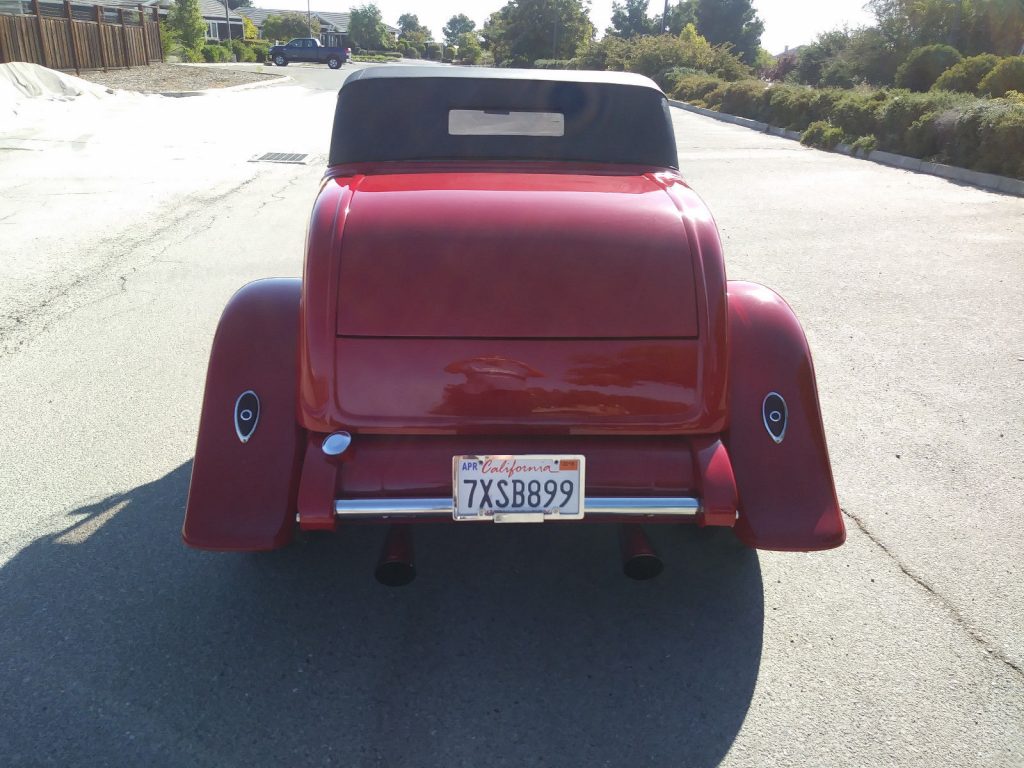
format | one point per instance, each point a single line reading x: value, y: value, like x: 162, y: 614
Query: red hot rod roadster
x: 513, y: 309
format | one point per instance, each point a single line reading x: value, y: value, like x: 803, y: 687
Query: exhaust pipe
x: 396, y: 566
x: 639, y: 560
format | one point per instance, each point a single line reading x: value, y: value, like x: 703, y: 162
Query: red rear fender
x: 243, y: 493
x: 786, y: 493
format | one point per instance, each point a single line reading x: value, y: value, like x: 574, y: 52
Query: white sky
x: 787, y: 22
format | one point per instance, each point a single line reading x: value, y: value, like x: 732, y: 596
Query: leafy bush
x: 1008, y: 75
x: 469, y: 48
x: 947, y: 126
x: 924, y: 138
x: 694, y: 87
x: 902, y: 109
x: 924, y: 65
x: 728, y: 66
x: 249, y: 30
x: 967, y: 75
x: 242, y: 51
x: 856, y: 112
x: 260, y: 50
x: 215, y: 54
x: 608, y: 53
x: 864, y: 146
x: 660, y: 56
x: 989, y: 136
x: 837, y: 74
x: 795, y: 107
x: 743, y: 98
x: 821, y: 134
x: 656, y: 56
x: 168, y: 41
x: 553, y: 64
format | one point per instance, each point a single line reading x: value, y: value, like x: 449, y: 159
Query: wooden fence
x: 76, y: 37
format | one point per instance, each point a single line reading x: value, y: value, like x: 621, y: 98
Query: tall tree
x: 412, y: 31
x: 630, y: 19
x: 681, y: 14
x: 526, y: 30
x: 366, y: 28
x: 286, y: 26
x: 457, y: 26
x: 232, y: 4
x: 186, y: 23
x: 731, y: 21
x: 970, y: 26
x: 469, y: 48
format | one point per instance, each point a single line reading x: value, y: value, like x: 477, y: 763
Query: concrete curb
x: 989, y: 181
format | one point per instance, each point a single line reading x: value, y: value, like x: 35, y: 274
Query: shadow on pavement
x: 516, y: 645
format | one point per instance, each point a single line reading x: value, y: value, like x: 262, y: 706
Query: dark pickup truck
x: 308, y: 49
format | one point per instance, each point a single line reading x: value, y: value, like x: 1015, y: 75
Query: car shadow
x: 516, y: 645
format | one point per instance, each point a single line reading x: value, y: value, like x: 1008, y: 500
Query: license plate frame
x: 503, y: 472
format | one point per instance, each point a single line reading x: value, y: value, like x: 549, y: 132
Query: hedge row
x: 242, y: 50
x: 943, y: 126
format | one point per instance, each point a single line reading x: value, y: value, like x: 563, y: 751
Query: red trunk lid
x: 515, y: 256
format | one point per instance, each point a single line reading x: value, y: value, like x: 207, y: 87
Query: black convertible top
x: 404, y: 112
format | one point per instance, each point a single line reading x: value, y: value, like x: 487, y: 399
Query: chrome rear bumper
x: 681, y: 507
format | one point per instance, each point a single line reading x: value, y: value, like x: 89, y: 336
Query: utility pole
x: 664, y: 19
x: 227, y: 19
x: 309, y: 19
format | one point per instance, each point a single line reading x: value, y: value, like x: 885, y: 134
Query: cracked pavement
x: 515, y: 646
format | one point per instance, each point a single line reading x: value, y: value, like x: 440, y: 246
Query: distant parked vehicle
x: 308, y: 49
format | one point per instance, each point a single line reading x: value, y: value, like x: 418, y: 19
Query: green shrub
x: 260, y: 50
x: 821, y: 134
x: 837, y: 74
x: 856, y: 112
x: 727, y: 65
x: 989, y: 137
x: 242, y: 51
x: 694, y: 87
x: 553, y: 64
x: 1008, y: 75
x: 743, y: 98
x: 924, y: 137
x: 864, y: 146
x: 655, y: 56
x: 924, y: 65
x: 903, y: 109
x: 215, y: 54
x: 967, y: 75
x: 713, y: 99
x: 192, y: 55
x: 795, y: 107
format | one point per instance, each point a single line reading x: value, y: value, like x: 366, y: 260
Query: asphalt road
x: 124, y: 228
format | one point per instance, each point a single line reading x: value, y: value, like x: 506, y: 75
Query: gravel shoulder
x: 171, y: 78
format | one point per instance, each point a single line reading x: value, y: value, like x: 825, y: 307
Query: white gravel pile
x: 21, y: 82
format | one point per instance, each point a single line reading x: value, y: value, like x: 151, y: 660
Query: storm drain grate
x: 281, y: 157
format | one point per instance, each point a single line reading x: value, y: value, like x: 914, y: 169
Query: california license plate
x: 518, y: 489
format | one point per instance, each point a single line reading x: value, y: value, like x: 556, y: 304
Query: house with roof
x: 217, y: 16
x: 333, y: 25
x: 215, y: 13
